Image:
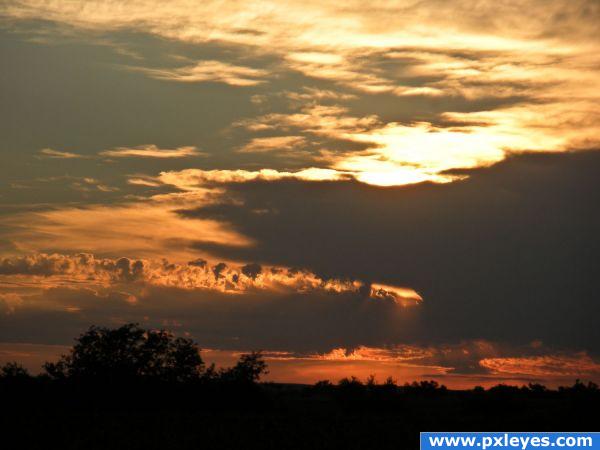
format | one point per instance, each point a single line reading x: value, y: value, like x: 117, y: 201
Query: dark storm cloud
x: 303, y: 329
x: 303, y: 321
x: 510, y: 254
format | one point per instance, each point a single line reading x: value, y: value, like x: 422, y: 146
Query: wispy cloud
x: 143, y: 181
x: 87, y: 184
x: 307, y: 94
x: 50, y: 153
x: 211, y: 71
x: 280, y: 144
x: 193, y: 179
x: 151, y: 151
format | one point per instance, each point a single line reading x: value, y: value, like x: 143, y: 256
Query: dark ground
x: 272, y: 416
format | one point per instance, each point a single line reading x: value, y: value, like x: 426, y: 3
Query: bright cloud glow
x: 399, y: 295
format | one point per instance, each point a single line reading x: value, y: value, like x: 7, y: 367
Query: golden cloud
x: 53, y: 270
x: 149, y: 228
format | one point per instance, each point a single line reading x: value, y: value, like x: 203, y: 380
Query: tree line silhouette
x: 132, y: 354
x: 143, y: 388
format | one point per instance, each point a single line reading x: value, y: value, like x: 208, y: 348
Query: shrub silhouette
x: 126, y: 354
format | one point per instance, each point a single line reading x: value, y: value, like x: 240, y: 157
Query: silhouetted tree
x: 580, y: 388
x: 389, y: 386
x: 248, y: 369
x: 14, y: 371
x: 537, y: 388
x: 371, y: 382
x: 424, y: 387
x: 350, y: 389
x: 351, y: 382
x: 323, y: 386
x: 504, y: 390
x: 128, y: 353
x: 389, y: 381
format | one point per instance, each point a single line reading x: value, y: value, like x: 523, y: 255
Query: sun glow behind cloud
x: 421, y: 152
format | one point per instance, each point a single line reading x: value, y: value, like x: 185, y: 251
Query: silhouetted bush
x: 126, y: 354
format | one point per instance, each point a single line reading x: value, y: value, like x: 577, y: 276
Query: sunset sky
x: 400, y: 188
